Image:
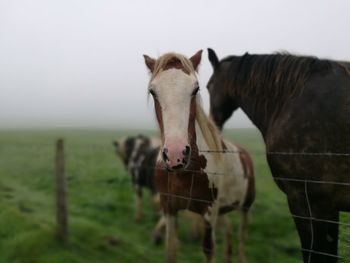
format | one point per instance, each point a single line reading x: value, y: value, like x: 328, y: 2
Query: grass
x: 101, y: 205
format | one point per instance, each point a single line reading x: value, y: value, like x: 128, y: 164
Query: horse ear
x: 196, y: 59
x: 213, y: 58
x: 116, y: 144
x: 150, y: 62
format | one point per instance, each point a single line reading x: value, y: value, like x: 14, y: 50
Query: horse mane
x: 345, y: 65
x: 279, y: 74
x: 172, y: 60
x: 210, y: 132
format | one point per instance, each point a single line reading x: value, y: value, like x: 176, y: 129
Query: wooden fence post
x: 61, y: 206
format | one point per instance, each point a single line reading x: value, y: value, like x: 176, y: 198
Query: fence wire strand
x: 311, y: 218
x: 306, y: 182
x: 126, y: 180
x: 327, y: 154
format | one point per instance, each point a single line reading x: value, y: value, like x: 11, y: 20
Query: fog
x: 79, y: 63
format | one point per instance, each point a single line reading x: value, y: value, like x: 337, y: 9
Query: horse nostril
x: 187, y: 150
x: 164, y: 155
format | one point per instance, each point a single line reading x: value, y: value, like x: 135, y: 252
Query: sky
x: 79, y: 63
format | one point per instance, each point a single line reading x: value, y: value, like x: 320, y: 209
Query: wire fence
x: 83, y: 167
x: 306, y: 182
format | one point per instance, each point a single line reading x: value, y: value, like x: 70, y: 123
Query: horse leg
x: 326, y: 236
x: 156, y: 204
x: 241, y: 235
x: 159, y: 230
x: 171, y: 239
x: 210, y: 219
x: 317, y: 230
x: 333, y: 235
x: 137, y: 199
x: 208, y: 242
x: 197, y: 226
x: 226, y: 228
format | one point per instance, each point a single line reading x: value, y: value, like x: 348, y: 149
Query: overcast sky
x: 78, y: 63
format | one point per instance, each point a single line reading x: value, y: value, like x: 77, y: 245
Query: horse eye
x: 195, y: 91
x: 153, y: 93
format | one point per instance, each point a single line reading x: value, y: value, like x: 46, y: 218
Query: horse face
x: 174, y: 94
x: 222, y: 104
x: 124, y: 147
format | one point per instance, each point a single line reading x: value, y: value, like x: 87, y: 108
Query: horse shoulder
x: 238, y: 180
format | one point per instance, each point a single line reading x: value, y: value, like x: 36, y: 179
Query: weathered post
x: 61, y: 206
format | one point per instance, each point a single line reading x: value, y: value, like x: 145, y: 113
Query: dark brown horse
x: 301, y: 105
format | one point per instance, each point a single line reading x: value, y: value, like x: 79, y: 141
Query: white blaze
x: 173, y: 89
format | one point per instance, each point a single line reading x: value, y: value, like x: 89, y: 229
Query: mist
x: 79, y: 63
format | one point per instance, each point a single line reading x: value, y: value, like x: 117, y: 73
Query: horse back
x: 315, y: 120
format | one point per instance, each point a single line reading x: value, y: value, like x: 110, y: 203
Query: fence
x: 306, y: 183
x: 87, y: 170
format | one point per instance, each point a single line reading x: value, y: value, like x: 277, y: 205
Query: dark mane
x: 279, y: 74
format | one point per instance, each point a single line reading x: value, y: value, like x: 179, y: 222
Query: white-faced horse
x: 192, y: 171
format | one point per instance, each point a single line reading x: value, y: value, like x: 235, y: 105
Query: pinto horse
x: 301, y: 105
x: 139, y: 154
x: 192, y: 172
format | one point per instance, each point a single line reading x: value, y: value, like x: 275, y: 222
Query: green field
x: 101, y: 205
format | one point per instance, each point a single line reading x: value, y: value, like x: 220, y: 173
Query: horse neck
x: 262, y: 84
x: 260, y: 108
x: 257, y: 110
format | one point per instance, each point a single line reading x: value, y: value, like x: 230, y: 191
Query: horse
x: 139, y: 154
x: 301, y: 106
x: 192, y: 173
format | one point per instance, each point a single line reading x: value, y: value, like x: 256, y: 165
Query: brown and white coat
x: 193, y: 172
